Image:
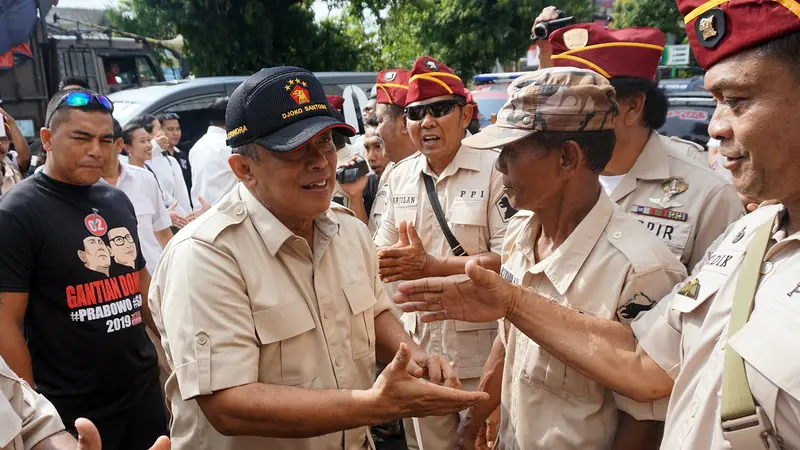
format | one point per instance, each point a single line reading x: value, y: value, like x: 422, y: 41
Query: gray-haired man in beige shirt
x: 270, y: 306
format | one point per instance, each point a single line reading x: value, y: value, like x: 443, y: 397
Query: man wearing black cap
x: 270, y: 305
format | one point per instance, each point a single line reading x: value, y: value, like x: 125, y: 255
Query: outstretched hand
x: 406, y: 260
x: 479, y: 296
x: 90, y: 438
x: 401, y: 394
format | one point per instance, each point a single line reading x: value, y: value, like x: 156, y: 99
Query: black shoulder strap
x: 437, y: 210
x: 154, y: 176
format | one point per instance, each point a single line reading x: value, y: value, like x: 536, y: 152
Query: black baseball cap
x: 280, y: 109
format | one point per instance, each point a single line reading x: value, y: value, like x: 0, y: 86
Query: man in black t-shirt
x: 70, y: 267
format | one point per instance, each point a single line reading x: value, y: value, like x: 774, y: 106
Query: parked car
x: 491, y: 92
x: 689, y: 115
x: 190, y: 99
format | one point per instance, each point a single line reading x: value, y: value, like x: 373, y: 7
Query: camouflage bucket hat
x: 556, y: 99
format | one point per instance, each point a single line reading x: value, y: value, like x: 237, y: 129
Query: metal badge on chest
x: 672, y: 187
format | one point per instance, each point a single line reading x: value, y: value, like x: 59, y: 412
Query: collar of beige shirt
x: 652, y: 164
x: 273, y: 232
x: 466, y: 158
x: 563, y: 265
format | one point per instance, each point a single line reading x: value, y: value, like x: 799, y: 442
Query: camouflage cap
x: 556, y: 99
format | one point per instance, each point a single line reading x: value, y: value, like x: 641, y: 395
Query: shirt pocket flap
x: 360, y: 296
x: 469, y: 326
x: 283, y: 322
x: 695, y: 291
x: 468, y: 213
x: 769, y: 343
x: 12, y: 424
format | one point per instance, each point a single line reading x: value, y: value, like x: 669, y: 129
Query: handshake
x: 179, y: 221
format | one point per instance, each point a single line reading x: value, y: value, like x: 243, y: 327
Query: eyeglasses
x: 435, y: 109
x: 120, y: 240
x: 81, y: 100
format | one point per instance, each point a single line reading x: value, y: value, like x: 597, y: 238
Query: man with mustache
x: 420, y: 238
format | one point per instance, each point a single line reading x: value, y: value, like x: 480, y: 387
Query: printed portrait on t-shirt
x: 95, y: 255
x: 123, y: 247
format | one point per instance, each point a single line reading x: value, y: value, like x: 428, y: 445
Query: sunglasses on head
x: 81, y: 100
x: 169, y: 116
x: 435, y: 109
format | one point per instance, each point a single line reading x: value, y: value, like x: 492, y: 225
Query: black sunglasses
x: 436, y: 109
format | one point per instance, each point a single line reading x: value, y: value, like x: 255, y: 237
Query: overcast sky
x: 320, y: 8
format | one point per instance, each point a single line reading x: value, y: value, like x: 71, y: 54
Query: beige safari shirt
x: 26, y: 417
x: 687, y: 335
x: 381, y: 201
x: 609, y: 267
x: 239, y: 299
x: 696, y: 216
x: 471, y: 194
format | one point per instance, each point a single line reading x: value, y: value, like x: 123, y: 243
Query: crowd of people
x: 565, y: 278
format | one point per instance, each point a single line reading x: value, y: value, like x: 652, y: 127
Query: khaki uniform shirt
x: 26, y: 417
x: 609, y: 267
x: 471, y: 194
x: 381, y: 201
x: 239, y: 299
x: 687, y: 334
x: 695, y: 216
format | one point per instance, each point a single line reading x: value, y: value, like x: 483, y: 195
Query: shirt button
x: 201, y: 339
x: 338, y: 361
x: 326, y: 313
x: 617, y: 234
x: 239, y: 211
x: 694, y: 409
x: 435, y: 326
x: 766, y: 268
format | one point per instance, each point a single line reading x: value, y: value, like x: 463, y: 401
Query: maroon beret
x: 430, y: 78
x: 629, y: 52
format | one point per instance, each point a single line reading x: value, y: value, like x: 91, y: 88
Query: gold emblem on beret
x: 707, y: 27
x: 576, y: 38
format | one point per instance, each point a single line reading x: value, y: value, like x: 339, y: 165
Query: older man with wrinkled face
x: 288, y: 314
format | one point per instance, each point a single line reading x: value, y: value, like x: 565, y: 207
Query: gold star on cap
x: 288, y: 86
x: 297, y: 80
x: 304, y: 83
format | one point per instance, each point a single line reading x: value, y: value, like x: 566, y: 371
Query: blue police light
x: 493, y: 77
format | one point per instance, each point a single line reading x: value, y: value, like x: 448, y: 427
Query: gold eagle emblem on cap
x: 708, y: 27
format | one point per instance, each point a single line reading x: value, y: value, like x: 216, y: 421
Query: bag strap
x: 737, y: 400
x: 458, y: 250
x: 154, y: 176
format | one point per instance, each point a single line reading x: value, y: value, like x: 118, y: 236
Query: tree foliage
x: 662, y: 14
x: 225, y: 37
x: 467, y: 35
x: 241, y: 36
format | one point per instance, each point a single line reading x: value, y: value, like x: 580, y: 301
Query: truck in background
x: 109, y: 64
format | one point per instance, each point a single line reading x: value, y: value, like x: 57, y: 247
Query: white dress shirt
x: 212, y: 176
x: 170, y: 179
x: 151, y: 215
